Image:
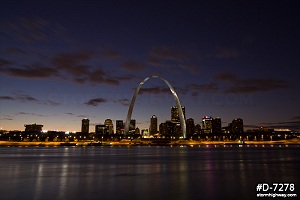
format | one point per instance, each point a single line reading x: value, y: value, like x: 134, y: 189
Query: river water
x: 145, y: 172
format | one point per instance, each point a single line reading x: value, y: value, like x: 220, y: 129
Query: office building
x: 119, y: 127
x: 175, y: 113
x: 198, y: 129
x: 109, y: 124
x: 237, y: 126
x: 85, y: 125
x: 33, y: 127
x: 132, y: 126
x: 153, y: 125
x: 190, y: 127
x: 217, y: 126
x: 102, y: 129
x: 207, y: 122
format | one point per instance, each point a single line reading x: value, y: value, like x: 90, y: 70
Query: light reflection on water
x: 143, y: 172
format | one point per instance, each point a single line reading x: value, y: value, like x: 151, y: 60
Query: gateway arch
x: 180, y: 112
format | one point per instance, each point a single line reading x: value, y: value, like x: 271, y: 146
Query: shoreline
x: 139, y: 143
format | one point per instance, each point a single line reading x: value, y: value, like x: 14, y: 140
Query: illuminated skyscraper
x: 101, y: 129
x: 119, y: 126
x: 108, y: 122
x: 175, y: 114
x: 153, y: 125
x: 167, y: 129
x: 145, y: 133
x: 132, y: 126
x: 237, y: 126
x: 207, y: 124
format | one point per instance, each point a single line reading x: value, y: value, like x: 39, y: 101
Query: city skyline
x: 114, y: 126
x: 62, y: 62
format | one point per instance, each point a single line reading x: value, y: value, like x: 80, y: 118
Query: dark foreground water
x: 156, y: 172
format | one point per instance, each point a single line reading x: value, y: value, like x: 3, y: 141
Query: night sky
x: 62, y: 61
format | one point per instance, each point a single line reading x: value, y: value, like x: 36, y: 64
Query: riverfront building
x: 217, y: 125
x: 33, y: 127
x: 175, y: 113
x: 119, y: 127
x: 190, y: 127
x: 132, y: 126
x: 207, y: 124
x: 102, y: 129
x: 85, y: 124
x: 237, y: 126
x: 109, y: 124
x: 153, y: 125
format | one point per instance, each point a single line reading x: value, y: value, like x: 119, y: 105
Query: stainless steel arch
x: 180, y: 112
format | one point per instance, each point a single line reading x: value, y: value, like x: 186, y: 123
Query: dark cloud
x: 70, y: 113
x: 6, y: 98
x: 27, y: 98
x: 4, y: 62
x: 132, y: 65
x: 124, y: 101
x: 52, y: 103
x: 6, y: 118
x: 95, y: 102
x: 67, y: 61
x: 67, y: 66
x: 20, y: 98
x: 101, y: 77
x: 240, y: 86
x: 27, y: 113
x: 76, y: 66
x: 35, y: 71
x: 73, y: 64
x: 154, y: 90
x: 296, y: 117
x: 22, y: 113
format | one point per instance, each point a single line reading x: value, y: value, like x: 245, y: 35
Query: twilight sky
x: 61, y: 61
